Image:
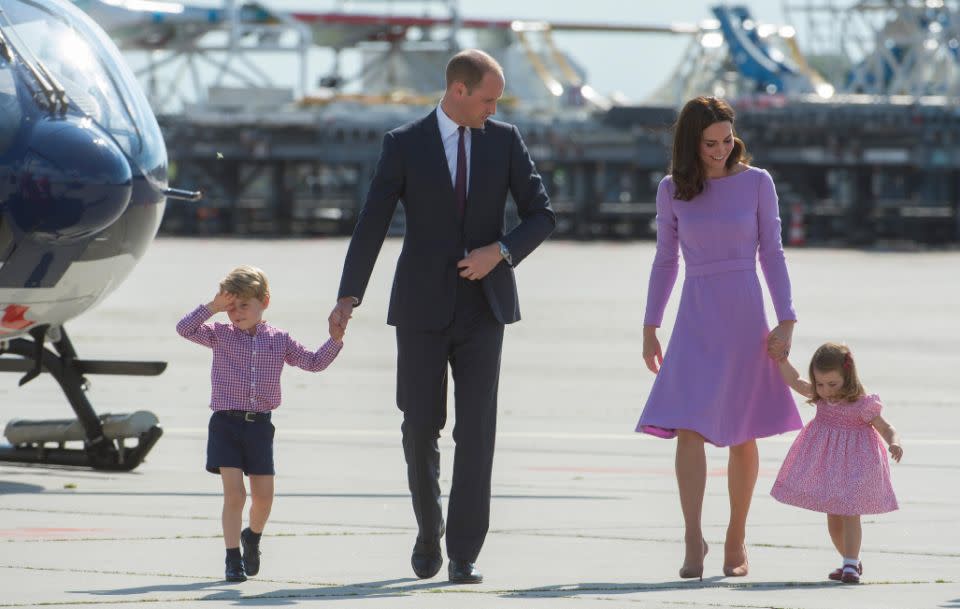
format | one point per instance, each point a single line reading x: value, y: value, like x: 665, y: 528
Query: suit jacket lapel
x: 436, y: 159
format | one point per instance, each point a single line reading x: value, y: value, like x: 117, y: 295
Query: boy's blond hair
x: 246, y: 281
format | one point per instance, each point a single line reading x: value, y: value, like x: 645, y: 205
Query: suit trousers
x: 470, y: 346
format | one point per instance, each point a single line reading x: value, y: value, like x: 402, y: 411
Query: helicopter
x: 83, y: 186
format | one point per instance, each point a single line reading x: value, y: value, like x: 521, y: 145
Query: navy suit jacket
x: 413, y: 169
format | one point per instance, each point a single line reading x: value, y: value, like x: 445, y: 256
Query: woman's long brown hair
x: 689, y: 175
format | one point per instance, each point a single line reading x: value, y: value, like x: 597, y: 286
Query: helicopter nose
x: 73, y: 182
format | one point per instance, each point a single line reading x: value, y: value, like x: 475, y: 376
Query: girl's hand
x: 652, y: 354
x: 221, y: 302
x: 896, y: 451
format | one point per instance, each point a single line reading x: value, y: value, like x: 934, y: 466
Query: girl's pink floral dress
x: 838, y: 463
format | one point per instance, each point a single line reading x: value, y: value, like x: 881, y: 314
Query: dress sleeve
x: 666, y: 261
x: 771, y: 256
x: 871, y: 408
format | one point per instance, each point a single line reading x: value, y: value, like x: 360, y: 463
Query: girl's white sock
x: 850, y: 563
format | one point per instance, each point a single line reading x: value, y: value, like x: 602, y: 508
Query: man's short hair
x: 469, y: 66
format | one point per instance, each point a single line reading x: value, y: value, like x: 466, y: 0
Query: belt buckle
x: 249, y: 417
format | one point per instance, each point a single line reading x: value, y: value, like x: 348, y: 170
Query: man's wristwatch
x: 505, y: 253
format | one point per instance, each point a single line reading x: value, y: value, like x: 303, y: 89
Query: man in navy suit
x: 453, y: 292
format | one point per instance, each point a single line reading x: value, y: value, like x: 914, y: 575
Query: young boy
x: 248, y: 356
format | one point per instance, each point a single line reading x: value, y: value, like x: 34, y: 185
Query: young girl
x: 837, y: 464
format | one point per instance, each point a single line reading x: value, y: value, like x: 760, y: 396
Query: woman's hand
x: 780, y: 339
x: 652, y: 354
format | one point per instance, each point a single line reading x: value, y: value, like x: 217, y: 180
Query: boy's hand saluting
x: 221, y: 302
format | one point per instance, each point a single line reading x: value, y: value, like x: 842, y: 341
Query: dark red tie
x: 460, y: 186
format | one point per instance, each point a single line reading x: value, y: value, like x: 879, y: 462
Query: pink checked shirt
x: 246, y: 368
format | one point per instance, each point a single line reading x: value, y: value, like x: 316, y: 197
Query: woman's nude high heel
x: 692, y: 571
x: 739, y: 570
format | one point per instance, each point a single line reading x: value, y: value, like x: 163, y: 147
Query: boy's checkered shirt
x: 246, y: 368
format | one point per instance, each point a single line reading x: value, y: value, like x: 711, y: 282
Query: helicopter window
x: 10, y: 113
x: 89, y: 68
x: 149, y: 151
x: 58, y: 48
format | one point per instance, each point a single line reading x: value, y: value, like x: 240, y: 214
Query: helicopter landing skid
x: 102, y: 435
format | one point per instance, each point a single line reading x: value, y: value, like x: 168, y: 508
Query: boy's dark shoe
x: 463, y: 572
x: 234, y: 571
x: 251, y: 551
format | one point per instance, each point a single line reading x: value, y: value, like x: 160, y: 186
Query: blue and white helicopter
x: 83, y: 184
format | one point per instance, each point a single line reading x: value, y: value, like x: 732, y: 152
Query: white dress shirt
x: 449, y: 135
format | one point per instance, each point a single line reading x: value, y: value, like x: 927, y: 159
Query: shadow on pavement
x: 627, y: 588
x: 18, y: 488
x: 233, y: 591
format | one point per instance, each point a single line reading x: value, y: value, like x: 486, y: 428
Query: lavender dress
x: 716, y: 378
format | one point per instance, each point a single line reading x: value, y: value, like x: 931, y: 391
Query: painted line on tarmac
x: 519, y: 435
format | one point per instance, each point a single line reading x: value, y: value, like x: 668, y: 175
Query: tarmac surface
x: 585, y: 512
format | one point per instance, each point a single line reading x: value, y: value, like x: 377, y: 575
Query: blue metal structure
x: 83, y: 184
x: 754, y: 58
x: 884, y: 47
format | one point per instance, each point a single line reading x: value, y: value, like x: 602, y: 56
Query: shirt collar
x: 447, y: 125
x: 259, y: 329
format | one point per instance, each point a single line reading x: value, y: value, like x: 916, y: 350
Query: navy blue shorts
x: 233, y: 440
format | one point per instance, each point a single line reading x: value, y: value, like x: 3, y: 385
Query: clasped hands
x: 475, y: 266
x: 780, y: 339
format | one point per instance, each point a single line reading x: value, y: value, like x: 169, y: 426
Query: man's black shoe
x: 464, y: 572
x: 426, y: 559
x: 234, y: 572
x: 251, y: 552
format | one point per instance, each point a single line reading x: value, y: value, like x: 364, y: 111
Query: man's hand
x: 479, y: 262
x: 221, y: 302
x: 340, y: 316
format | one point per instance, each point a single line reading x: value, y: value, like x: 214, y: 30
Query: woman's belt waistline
x: 720, y: 266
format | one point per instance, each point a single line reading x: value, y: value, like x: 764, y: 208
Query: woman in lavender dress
x: 717, y: 383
